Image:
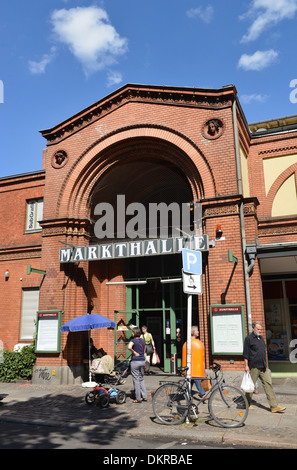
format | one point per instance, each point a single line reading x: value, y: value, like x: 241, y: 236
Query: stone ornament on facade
x: 59, y: 159
x: 213, y: 129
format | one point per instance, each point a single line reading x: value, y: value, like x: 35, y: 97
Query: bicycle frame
x: 173, y: 401
x: 188, y: 387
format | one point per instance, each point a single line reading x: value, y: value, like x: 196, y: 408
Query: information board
x: 48, y: 338
x: 227, y: 329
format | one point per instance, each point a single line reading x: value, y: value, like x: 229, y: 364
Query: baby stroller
x: 119, y: 373
x: 102, y: 396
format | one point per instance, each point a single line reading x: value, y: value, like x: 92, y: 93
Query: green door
x: 160, y: 307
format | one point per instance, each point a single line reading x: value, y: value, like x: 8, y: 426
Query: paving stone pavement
x: 64, y: 405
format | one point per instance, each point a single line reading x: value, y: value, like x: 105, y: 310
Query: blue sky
x: 60, y: 56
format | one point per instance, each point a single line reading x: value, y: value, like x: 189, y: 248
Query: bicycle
x: 227, y: 405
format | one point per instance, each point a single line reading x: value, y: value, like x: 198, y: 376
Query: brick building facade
x: 153, y: 144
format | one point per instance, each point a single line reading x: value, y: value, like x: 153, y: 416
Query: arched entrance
x: 144, y: 172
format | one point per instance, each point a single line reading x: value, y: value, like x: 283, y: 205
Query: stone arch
x: 110, y: 150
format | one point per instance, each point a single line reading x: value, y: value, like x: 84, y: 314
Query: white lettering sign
x: 130, y: 249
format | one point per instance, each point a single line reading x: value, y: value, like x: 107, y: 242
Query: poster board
x: 227, y: 329
x: 48, y: 337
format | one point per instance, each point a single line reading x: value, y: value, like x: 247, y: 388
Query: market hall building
x: 146, y: 146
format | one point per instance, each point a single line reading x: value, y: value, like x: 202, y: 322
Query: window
x: 30, y: 303
x: 291, y: 291
x: 280, y: 303
x: 34, y: 214
x: 275, y: 315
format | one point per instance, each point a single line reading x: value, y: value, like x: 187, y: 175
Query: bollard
x: 173, y: 363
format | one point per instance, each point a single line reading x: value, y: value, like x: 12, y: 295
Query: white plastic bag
x: 155, y: 358
x: 247, y: 385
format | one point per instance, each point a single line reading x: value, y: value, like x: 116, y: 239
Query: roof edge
x: 94, y: 110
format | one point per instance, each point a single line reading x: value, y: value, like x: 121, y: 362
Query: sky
x: 60, y: 56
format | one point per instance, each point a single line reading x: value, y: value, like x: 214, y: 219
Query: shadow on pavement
x: 50, y: 419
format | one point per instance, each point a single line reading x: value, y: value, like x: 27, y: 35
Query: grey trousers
x: 137, y: 372
x: 264, y: 376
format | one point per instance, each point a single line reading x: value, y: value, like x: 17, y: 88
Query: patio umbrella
x: 90, y: 321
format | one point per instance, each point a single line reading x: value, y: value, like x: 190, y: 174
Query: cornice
x: 190, y: 97
x: 272, y: 227
x: 65, y: 226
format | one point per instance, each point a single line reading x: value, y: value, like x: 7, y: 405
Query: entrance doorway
x: 146, y: 170
x: 160, y: 304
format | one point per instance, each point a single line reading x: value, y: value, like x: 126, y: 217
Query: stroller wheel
x: 121, y: 397
x: 103, y: 400
x: 90, y: 398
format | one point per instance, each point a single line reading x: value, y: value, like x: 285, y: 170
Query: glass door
x: 159, y: 307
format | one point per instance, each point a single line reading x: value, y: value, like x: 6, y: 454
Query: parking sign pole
x: 189, y: 328
x: 192, y: 271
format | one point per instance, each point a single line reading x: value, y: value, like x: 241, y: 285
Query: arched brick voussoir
x: 86, y: 171
x: 277, y: 184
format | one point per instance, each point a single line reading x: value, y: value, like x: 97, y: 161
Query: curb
x: 220, y: 438
x: 209, y: 438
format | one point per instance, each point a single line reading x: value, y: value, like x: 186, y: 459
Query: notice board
x: 48, y: 339
x: 227, y: 328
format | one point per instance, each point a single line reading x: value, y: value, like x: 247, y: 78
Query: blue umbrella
x: 91, y: 321
x: 86, y: 323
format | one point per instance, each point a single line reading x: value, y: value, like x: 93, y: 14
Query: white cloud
x: 258, y: 98
x: 37, y: 68
x: 204, y: 13
x: 89, y: 35
x: 113, y: 78
x: 257, y: 61
x: 265, y: 13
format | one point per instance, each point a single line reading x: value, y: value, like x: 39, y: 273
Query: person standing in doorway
x: 197, y: 382
x: 149, y: 347
x: 137, y: 348
x: 254, y: 353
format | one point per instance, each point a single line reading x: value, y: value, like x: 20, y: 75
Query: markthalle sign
x: 133, y: 249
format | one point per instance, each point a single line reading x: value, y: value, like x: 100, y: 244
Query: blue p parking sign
x: 192, y: 261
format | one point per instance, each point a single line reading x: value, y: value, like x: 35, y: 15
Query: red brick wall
x: 17, y: 250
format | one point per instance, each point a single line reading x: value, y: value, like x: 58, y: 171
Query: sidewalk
x: 65, y: 406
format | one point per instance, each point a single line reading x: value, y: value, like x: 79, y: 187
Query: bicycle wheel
x: 228, y: 406
x: 170, y: 404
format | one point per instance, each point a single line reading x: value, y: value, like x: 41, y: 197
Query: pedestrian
x: 197, y: 382
x: 137, y: 348
x: 149, y: 349
x: 254, y: 353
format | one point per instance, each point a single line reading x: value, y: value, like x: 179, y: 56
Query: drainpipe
x: 241, y: 216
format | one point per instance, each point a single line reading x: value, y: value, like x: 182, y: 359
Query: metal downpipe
x: 241, y: 216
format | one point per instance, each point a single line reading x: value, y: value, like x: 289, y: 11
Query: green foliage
x: 17, y: 365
